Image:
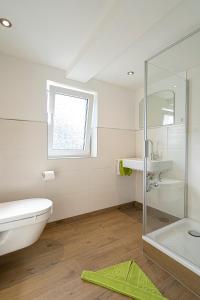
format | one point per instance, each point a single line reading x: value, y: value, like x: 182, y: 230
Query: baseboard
x: 93, y: 213
x: 138, y: 205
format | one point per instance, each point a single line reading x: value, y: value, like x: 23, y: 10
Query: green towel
x: 124, y: 171
x: 125, y: 278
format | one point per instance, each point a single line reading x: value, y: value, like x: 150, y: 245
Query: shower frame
x: 156, y: 253
x: 146, y: 130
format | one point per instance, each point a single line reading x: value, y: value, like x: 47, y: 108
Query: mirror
x: 161, y: 109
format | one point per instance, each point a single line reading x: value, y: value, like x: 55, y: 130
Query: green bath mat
x: 125, y: 278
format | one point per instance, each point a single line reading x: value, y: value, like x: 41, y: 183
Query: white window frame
x: 86, y: 152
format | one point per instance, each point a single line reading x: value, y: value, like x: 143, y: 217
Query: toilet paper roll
x: 48, y: 175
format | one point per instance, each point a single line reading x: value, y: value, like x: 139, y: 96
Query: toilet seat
x: 20, y: 209
x: 22, y: 222
x: 24, y: 212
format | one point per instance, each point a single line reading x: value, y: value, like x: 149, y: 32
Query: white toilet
x: 22, y: 222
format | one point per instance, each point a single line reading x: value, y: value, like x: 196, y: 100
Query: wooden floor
x: 50, y: 269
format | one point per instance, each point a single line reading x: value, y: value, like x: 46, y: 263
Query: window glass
x: 69, y: 122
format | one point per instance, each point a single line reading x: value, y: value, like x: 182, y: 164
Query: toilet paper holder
x: 48, y: 175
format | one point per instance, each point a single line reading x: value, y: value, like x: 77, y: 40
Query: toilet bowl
x: 22, y: 222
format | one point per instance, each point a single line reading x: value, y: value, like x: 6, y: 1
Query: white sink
x: 152, y: 165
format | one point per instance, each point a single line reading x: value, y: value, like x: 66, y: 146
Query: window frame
x: 64, y: 153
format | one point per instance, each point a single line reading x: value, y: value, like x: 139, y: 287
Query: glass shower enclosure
x: 171, y: 82
x: 165, y: 146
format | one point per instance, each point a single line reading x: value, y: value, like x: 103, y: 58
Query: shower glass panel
x: 171, y: 213
x: 165, y: 133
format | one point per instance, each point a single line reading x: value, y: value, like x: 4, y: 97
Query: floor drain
x: 194, y: 233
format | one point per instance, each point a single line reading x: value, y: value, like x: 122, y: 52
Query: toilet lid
x: 21, y: 209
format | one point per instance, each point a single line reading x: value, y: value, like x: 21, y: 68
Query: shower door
x: 165, y: 146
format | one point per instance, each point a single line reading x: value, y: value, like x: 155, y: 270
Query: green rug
x: 125, y: 278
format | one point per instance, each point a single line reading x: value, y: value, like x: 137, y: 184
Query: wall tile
x: 81, y: 185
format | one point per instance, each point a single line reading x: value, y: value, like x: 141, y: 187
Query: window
x: 69, y: 122
x: 168, y: 119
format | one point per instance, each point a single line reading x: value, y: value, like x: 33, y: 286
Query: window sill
x: 70, y: 157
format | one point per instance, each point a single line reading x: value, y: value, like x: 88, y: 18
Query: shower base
x: 176, y: 250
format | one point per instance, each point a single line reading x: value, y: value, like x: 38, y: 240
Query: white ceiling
x: 100, y: 39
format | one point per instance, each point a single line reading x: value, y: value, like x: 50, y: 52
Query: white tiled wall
x: 176, y: 151
x: 169, y: 144
x: 81, y: 185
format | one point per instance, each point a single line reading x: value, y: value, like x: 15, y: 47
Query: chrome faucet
x: 151, y: 183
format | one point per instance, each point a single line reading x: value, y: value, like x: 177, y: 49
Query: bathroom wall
x: 169, y: 144
x: 193, y: 76
x: 81, y: 185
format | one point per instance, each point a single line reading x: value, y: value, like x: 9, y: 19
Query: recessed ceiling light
x: 129, y: 73
x: 5, y: 22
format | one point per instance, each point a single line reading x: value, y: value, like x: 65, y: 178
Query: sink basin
x: 134, y: 163
x: 152, y: 165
